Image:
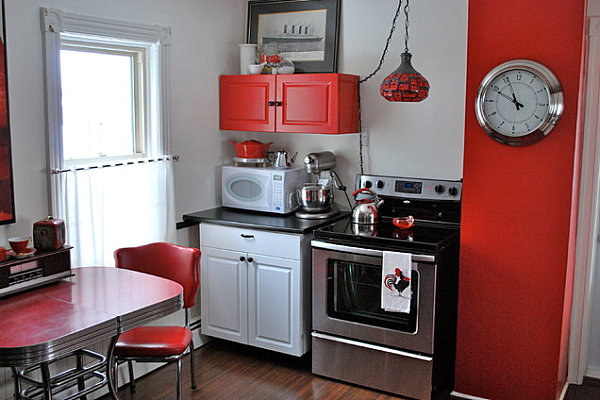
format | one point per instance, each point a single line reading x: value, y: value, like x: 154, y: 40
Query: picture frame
x: 7, y: 198
x: 302, y: 31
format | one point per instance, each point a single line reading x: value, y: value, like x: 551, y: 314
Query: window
x: 101, y: 102
x: 107, y: 119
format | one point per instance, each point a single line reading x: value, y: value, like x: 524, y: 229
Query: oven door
x: 347, y: 298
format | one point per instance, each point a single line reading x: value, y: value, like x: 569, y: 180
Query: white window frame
x: 139, y: 56
x: 58, y: 27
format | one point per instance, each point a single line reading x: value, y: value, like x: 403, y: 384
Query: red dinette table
x: 95, y: 304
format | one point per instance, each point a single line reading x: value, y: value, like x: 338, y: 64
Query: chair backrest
x: 167, y: 260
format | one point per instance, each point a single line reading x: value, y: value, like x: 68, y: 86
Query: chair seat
x: 153, y: 341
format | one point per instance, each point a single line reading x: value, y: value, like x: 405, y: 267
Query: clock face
x: 519, y: 102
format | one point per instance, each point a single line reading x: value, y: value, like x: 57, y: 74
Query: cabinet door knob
x: 271, y: 103
x: 250, y: 259
x: 245, y: 236
x: 242, y: 258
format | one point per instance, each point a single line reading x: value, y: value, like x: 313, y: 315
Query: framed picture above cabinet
x: 7, y: 203
x: 302, y: 31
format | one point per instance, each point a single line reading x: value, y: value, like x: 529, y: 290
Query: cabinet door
x: 244, y: 103
x: 309, y: 103
x: 223, y: 295
x: 274, y: 306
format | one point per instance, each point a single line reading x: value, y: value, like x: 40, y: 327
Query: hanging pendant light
x: 405, y: 83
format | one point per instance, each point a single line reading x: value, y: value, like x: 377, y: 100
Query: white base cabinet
x: 255, y: 287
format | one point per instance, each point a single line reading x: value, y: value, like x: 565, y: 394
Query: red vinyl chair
x: 160, y: 343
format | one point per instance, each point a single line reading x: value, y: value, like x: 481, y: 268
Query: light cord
x: 385, y: 50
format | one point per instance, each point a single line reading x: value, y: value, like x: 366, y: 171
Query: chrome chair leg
x: 179, y: 380
x: 115, y: 374
x: 192, y: 371
x: 131, y: 376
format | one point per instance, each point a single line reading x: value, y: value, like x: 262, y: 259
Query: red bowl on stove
x: 251, y: 149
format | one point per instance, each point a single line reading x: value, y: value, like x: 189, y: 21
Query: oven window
x: 354, y: 294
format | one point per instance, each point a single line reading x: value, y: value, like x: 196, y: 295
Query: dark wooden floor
x: 230, y: 371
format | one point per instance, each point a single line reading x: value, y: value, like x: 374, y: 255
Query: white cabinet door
x: 274, y: 309
x: 224, y: 295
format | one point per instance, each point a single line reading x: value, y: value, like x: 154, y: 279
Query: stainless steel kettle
x: 282, y: 159
x: 365, y: 210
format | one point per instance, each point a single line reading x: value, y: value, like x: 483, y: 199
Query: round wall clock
x: 519, y: 102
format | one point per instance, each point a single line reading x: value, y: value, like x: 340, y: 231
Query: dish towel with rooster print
x: 396, y: 290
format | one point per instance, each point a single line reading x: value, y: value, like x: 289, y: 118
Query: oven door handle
x: 363, y: 251
x: 370, y: 346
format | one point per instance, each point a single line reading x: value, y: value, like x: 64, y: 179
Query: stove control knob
x: 439, y: 188
x: 453, y: 191
x: 380, y: 184
x: 368, y: 184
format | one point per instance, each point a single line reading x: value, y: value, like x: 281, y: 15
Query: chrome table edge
x: 53, y: 349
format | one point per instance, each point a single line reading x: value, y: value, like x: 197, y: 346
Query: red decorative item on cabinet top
x: 291, y: 103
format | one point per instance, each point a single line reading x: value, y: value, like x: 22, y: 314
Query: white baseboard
x: 592, y: 372
x: 466, y: 396
x: 563, y: 392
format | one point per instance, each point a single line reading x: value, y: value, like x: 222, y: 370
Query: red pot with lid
x: 251, y: 149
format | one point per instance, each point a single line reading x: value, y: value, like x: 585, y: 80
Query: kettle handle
x: 363, y: 190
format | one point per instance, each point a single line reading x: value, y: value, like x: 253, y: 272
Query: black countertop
x: 255, y: 220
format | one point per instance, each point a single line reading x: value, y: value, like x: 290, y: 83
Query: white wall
x: 419, y: 140
x: 204, y: 42
x: 416, y: 140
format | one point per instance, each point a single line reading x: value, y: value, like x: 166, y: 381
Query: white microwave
x: 262, y: 189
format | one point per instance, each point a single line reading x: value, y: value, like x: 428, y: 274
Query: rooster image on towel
x: 398, y: 280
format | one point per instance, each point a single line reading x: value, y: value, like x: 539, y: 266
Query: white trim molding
x: 466, y: 396
x: 587, y: 225
x: 57, y: 21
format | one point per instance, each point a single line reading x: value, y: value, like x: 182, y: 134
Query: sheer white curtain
x: 110, y: 207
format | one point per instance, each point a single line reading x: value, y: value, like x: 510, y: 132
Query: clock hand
x: 519, y: 105
x: 514, y: 98
x: 506, y: 96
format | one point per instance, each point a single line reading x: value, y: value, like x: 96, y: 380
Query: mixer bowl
x: 314, y: 197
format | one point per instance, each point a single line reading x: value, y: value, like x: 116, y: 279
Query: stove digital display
x: 409, y: 187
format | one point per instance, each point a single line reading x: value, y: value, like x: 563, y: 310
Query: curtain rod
x: 118, y: 164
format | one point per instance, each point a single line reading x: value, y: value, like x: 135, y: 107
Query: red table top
x: 95, y: 304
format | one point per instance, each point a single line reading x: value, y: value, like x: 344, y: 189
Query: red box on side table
x: 49, y: 234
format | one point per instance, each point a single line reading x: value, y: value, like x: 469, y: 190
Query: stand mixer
x: 316, y: 199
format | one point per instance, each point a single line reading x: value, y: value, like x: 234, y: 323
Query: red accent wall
x: 517, y: 211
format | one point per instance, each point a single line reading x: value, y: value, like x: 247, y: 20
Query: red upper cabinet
x: 295, y: 103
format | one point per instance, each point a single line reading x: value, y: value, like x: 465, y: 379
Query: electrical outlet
x: 364, y: 137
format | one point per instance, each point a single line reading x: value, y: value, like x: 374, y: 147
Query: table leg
x: 111, y: 371
x: 81, y: 380
x: 46, y: 381
x: 17, y: 382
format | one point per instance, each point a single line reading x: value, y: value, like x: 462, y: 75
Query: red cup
x: 18, y: 244
x: 2, y: 254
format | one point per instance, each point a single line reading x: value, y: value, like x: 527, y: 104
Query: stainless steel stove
x: 410, y: 353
